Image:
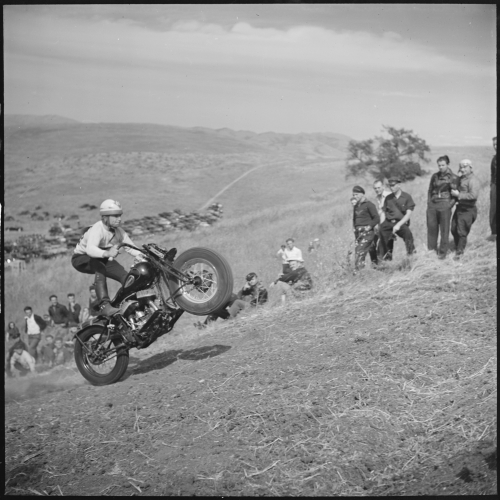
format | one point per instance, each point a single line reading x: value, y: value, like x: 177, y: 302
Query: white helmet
x: 110, y: 207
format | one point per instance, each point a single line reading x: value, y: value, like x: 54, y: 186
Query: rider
x: 97, y: 249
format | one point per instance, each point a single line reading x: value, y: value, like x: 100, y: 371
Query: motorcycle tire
x: 215, y: 281
x: 112, y: 372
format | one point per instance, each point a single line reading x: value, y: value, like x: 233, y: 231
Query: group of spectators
x: 377, y: 226
x: 46, y: 340
x: 292, y: 280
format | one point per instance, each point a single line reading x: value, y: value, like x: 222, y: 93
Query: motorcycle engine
x: 137, y: 312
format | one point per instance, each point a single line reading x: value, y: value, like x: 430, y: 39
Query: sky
x: 286, y: 68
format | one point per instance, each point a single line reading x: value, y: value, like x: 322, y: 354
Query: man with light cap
x: 466, y: 211
x: 364, y: 218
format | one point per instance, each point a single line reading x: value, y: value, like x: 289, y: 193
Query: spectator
x: 61, y: 354
x: 253, y: 291
x: 284, y: 262
x: 93, y: 302
x: 232, y: 308
x: 10, y: 350
x: 313, y: 245
x: 439, y: 206
x: 298, y: 279
x: 398, y: 207
x: 21, y: 361
x: 47, y: 352
x: 59, y: 316
x: 84, y: 315
x: 375, y: 250
x: 493, y: 195
x: 73, y: 310
x: 292, y: 253
x: 364, y: 218
x: 466, y: 211
x: 34, y: 327
x: 13, y: 332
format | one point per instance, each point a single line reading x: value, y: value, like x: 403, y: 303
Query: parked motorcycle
x: 153, y: 297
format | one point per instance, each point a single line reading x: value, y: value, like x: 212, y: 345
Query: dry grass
x: 378, y: 384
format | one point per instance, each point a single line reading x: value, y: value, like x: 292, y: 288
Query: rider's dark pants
x: 102, y: 269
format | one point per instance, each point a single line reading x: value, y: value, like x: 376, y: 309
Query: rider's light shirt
x: 98, y: 238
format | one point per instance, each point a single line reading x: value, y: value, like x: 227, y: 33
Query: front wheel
x: 211, y: 281
x: 98, y: 359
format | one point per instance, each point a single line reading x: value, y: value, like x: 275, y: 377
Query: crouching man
x: 21, y: 361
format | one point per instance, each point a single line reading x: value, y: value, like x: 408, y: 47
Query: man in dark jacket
x: 59, y: 316
x: 34, y: 326
x: 397, y: 210
x: 253, y: 291
x: 466, y: 211
x: 364, y: 219
x: 439, y: 206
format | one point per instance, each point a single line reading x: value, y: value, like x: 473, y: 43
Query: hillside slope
x: 381, y: 385
x: 60, y: 165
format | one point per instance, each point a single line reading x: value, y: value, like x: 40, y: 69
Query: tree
x: 398, y: 155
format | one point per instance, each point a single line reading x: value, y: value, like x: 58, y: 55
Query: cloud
x: 309, y: 48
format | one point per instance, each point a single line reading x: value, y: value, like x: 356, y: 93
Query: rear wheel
x: 212, y: 281
x: 98, y: 359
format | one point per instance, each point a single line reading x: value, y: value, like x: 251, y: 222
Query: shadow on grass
x: 164, y: 359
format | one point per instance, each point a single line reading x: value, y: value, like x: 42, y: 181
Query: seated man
x: 21, y: 361
x: 298, y: 279
x: 230, y: 310
x: 253, y: 291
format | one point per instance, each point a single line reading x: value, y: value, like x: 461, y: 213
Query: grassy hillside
x: 378, y: 384
x: 59, y: 165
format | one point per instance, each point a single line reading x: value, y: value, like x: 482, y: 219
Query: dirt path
x: 391, y: 392
x: 266, y: 165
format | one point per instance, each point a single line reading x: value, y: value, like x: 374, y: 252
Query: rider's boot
x: 101, y: 290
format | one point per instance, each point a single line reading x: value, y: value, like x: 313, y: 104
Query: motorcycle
x: 154, y: 295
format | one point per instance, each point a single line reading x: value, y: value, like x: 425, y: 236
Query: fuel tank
x: 139, y: 277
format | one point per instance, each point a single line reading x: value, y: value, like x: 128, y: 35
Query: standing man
x: 34, y: 327
x: 375, y: 249
x: 398, y: 207
x: 291, y: 253
x: 493, y: 195
x: 74, y: 310
x: 466, y: 211
x: 59, y: 316
x: 364, y: 219
x: 439, y: 206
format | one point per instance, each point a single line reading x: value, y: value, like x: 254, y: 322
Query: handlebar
x: 120, y: 245
x: 150, y: 248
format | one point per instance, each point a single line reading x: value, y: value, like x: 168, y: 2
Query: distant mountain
x: 67, y: 137
x: 29, y: 121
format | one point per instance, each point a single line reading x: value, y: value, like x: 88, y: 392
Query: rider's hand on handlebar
x: 112, y: 252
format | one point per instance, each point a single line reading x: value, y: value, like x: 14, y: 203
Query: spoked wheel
x: 211, y: 281
x: 98, y: 360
